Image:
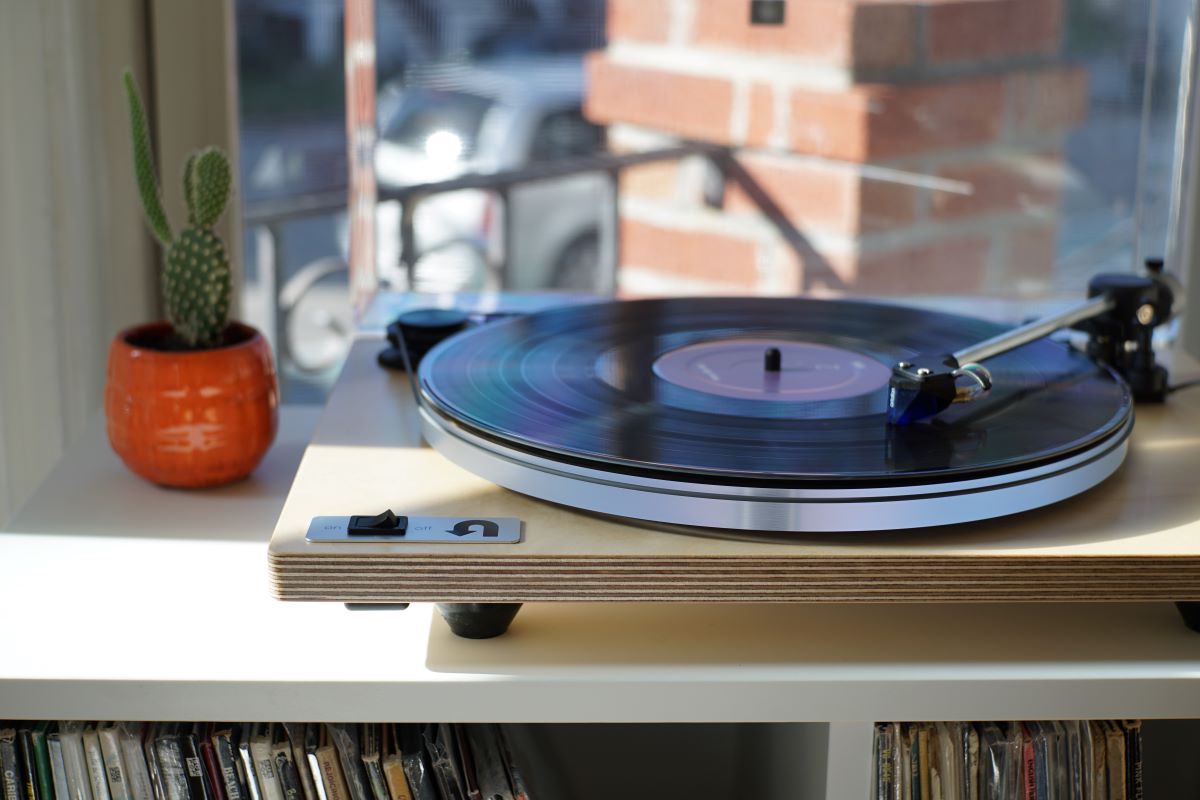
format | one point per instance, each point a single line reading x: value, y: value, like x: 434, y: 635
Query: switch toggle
x: 385, y: 524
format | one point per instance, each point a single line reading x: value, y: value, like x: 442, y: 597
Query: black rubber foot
x: 1190, y: 611
x: 375, y: 606
x: 478, y: 620
x: 391, y: 358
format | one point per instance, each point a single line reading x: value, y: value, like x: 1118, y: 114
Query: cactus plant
x: 196, y: 277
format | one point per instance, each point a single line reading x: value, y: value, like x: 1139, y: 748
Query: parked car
x: 455, y: 119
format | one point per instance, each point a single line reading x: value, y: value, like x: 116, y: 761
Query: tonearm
x: 1119, y: 317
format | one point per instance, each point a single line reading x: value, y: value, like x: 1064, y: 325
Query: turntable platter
x: 764, y: 413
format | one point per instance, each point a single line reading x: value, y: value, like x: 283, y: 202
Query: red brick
x: 809, y: 194
x: 1047, y: 101
x: 999, y: 184
x: 831, y: 124
x: 870, y: 121
x: 884, y: 204
x: 658, y: 180
x: 762, y: 115
x: 953, y: 266
x: 975, y: 30
x: 360, y: 91
x: 691, y: 106
x: 842, y: 32
x: 878, y: 121
x: 640, y: 20
x: 702, y: 255
x: 884, y: 35
x: 639, y: 282
x: 818, y: 273
x: 914, y: 119
x: 789, y: 268
x: 834, y: 197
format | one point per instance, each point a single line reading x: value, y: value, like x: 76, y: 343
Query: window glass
x: 997, y: 150
x: 443, y: 125
x: 292, y: 186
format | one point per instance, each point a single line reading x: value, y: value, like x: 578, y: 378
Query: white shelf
x: 119, y: 599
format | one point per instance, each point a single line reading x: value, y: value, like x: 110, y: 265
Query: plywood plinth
x: 1134, y: 537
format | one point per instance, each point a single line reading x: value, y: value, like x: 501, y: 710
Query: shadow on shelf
x: 91, y: 493
x: 550, y: 637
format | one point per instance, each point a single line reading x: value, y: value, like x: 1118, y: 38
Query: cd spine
x: 58, y: 767
x: 129, y: 741
x: 114, y: 763
x: 169, y: 752
x: 224, y: 741
x: 10, y: 766
x: 95, y: 763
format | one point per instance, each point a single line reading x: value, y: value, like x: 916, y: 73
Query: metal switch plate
x: 447, y: 530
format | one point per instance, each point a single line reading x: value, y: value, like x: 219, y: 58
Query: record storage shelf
x: 120, y: 600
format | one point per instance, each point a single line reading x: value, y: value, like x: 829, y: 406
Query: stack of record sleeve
x: 256, y: 761
x: 1061, y: 760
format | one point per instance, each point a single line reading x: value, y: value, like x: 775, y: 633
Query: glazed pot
x: 190, y: 418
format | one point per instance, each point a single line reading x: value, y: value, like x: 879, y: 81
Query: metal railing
x: 501, y: 184
x: 266, y: 219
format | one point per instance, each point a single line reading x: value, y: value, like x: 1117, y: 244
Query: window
x: 442, y: 125
x: 1005, y: 149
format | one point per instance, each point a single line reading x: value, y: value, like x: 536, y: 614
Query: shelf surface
x: 120, y: 599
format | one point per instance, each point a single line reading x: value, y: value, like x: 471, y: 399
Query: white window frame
x: 76, y: 262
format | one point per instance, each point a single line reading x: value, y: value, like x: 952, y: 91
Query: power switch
x: 385, y: 524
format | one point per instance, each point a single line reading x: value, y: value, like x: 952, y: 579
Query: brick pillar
x: 360, y: 143
x: 915, y: 147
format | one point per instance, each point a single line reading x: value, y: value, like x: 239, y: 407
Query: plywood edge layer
x: 666, y: 579
x: 988, y: 561
x: 847, y: 596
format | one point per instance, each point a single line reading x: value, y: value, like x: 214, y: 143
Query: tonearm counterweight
x: 1119, y: 317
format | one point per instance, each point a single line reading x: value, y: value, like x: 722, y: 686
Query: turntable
x: 751, y: 450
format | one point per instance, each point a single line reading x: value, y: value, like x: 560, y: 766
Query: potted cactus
x: 190, y: 401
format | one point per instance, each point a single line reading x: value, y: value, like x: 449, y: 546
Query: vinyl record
x: 683, y: 388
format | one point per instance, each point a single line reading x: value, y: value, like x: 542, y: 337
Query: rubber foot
x: 1190, y: 611
x: 478, y: 620
x: 391, y: 358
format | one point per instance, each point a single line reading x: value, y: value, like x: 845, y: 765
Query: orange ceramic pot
x: 190, y: 418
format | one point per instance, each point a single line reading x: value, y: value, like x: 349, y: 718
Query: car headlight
x: 444, y: 146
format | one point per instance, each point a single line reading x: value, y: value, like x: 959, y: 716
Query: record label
x: 807, y: 372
